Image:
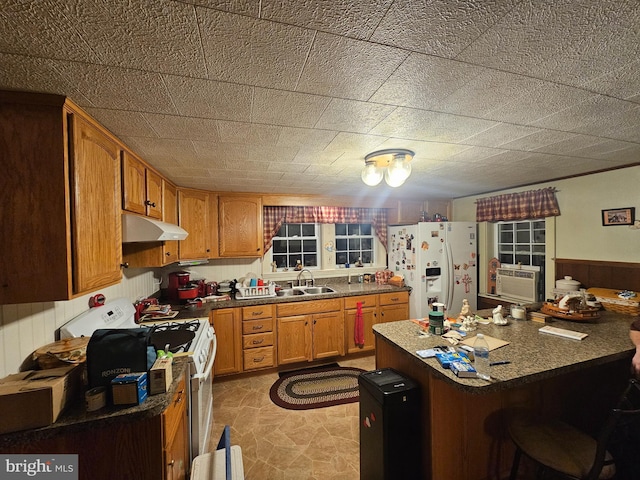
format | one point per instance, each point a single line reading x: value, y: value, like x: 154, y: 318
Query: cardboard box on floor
x: 35, y: 398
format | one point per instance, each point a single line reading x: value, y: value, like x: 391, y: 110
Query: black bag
x: 112, y: 351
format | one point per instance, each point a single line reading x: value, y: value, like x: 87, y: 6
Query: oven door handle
x: 212, y: 357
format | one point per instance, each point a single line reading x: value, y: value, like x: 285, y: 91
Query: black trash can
x: 390, y: 426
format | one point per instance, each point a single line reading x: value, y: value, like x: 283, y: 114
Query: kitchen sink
x: 318, y: 290
x: 289, y: 292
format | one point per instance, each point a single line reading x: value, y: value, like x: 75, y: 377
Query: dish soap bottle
x: 481, y: 357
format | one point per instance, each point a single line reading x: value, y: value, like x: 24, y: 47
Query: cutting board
x: 491, y: 341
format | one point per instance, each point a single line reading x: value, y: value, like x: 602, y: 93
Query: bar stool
x: 556, y: 446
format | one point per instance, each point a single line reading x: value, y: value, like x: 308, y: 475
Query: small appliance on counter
x: 178, y: 280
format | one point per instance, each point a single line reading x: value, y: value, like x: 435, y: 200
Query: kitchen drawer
x: 176, y: 410
x: 257, y: 311
x: 257, y: 340
x: 351, y: 303
x: 257, y: 326
x: 393, y: 298
x: 309, y: 307
x: 259, y: 358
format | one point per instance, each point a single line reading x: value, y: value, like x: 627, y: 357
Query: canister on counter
x: 436, y: 323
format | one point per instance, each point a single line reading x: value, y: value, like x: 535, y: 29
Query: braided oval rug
x: 316, y: 388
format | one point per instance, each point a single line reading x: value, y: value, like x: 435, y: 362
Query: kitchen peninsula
x: 463, y: 419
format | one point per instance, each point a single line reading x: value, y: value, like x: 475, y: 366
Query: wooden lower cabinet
x: 177, y: 461
x: 227, y: 323
x: 384, y: 307
x: 310, y: 331
x: 258, y: 337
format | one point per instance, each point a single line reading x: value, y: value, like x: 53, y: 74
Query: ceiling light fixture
x: 396, y: 161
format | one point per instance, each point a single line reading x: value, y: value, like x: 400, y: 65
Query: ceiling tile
x: 154, y: 35
x: 342, y: 17
x: 251, y: 51
x: 353, y: 116
x: 117, y: 88
x: 439, y: 27
x: 123, y: 122
x: 287, y: 108
x: 173, y: 126
x: 424, y: 125
x: 346, y: 68
x: 209, y: 99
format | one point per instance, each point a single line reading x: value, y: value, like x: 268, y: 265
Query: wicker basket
x: 611, y: 301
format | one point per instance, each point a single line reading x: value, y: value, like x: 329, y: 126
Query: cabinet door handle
x: 150, y: 203
x: 124, y: 265
x: 179, y: 397
x: 258, y: 327
x: 171, y: 463
x: 168, y: 254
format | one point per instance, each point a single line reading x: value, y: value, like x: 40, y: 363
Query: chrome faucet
x: 313, y: 282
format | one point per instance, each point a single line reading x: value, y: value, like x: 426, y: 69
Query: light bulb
x: 398, y: 171
x: 371, y: 174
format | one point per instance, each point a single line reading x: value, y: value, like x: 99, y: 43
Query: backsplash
x: 28, y: 326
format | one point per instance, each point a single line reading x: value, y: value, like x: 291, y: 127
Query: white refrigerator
x: 438, y: 260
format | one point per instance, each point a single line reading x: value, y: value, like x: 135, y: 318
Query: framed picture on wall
x: 618, y: 216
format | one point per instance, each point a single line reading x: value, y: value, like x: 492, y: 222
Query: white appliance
x: 438, y: 261
x: 193, y: 338
x: 520, y: 284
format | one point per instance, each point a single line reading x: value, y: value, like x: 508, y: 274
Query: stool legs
x: 515, y: 464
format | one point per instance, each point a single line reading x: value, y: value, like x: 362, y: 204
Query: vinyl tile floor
x: 280, y: 444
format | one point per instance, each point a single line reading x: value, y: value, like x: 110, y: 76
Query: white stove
x: 194, y: 338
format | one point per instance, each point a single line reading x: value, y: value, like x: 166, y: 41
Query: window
x: 353, y: 242
x: 523, y: 243
x: 296, y: 241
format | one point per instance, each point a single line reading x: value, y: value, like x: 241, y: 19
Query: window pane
x: 341, y: 244
x: 279, y: 246
x: 341, y: 229
x: 506, y: 237
x: 293, y: 259
x: 309, y: 246
x: 353, y: 229
x: 367, y: 256
x: 294, y: 230
x: 295, y: 246
x: 367, y: 244
x: 365, y: 229
x: 310, y: 261
x: 308, y: 230
x: 282, y: 232
x: 281, y: 260
x: 523, y: 237
x: 341, y: 258
x: 354, y: 244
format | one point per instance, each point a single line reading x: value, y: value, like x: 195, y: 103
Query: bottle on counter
x: 481, y: 357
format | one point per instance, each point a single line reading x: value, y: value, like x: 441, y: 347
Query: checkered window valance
x: 274, y: 217
x: 528, y: 205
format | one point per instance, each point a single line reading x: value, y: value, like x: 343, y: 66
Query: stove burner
x: 177, y: 335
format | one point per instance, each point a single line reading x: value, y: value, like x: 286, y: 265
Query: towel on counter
x: 358, y: 330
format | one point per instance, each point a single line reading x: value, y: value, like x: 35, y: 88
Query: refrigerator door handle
x: 450, y: 274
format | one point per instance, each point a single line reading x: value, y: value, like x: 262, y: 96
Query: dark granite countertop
x: 76, y: 418
x: 534, y: 356
x: 341, y: 290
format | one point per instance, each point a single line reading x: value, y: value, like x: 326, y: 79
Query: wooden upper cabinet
x: 169, y: 215
x: 60, y: 202
x: 240, y: 226
x: 195, y: 216
x: 141, y: 187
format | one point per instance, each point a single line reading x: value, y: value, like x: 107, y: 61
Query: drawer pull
x: 257, y: 313
x: 258, y: 327
x: 258, y: 342
x: 258, y: 360
x: 394, y: 299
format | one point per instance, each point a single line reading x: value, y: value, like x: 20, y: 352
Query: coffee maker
x: 176, y: 280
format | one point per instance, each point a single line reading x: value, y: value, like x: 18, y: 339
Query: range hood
x: 136, y: 228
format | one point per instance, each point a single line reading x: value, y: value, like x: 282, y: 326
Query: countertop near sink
x: 341, y: 290
x: 75, y: 417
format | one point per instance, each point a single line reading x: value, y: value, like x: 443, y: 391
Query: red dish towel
x: 358, y: 330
